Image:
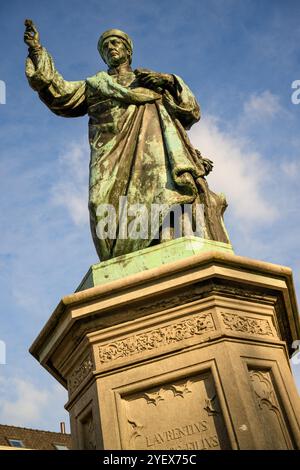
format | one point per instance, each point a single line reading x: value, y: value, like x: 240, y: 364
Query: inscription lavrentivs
x: 175, y: 439
x: 181, y: 415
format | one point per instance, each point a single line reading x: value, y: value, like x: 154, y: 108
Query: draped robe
x: 138, y: 141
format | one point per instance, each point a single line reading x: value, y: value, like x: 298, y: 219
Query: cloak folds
x: 139, y: 146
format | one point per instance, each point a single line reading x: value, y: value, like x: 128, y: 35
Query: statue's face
x: 114, y: 51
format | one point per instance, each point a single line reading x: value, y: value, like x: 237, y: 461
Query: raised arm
x: 63, y: 97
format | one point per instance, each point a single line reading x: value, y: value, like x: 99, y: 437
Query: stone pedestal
x: 193, y: 354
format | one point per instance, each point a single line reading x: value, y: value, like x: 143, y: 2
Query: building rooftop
x: 23, y: 438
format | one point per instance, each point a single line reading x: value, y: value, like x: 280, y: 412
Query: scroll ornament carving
x: 79, y: 374
x: 248, y: 325
x: 194, y: 326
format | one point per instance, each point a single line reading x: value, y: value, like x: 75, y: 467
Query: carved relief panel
x: 185, y: 414
x: 269, y: 409
x: 88, y: 436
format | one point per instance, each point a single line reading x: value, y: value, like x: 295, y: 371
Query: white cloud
x: 27, y: 404
x: 239, y: 172
x: 71, y: 189
x: 261, y: 106
x: 24, y: 404
x: 291, y: 168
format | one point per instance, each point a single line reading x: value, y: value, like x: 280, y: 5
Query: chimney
x: 63, y: 427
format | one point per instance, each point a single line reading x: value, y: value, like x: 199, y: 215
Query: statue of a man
x: 137, y: 134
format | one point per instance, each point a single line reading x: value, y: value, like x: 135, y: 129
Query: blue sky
x: 239, y: 57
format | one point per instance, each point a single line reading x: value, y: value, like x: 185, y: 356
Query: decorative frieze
x: 194, y: 326
x: 244, y: 324
x: 80, y: 373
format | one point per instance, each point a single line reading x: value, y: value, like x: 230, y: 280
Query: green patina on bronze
x: 137, y: 133
x: 149, y: 258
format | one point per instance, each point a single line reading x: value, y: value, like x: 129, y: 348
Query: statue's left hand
x: 154, y: 80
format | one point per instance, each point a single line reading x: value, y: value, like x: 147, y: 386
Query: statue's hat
x: 114, y: 32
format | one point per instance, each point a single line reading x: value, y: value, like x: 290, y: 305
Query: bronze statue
x: 137, y: 133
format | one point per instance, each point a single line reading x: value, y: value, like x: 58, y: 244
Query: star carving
x: 181, y: 390
x: 154, y: 398
x: 210, y: 406
x: 136, y: 429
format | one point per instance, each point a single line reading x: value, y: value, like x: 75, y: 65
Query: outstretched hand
x: 31, y: 35
x: 154, y: 80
